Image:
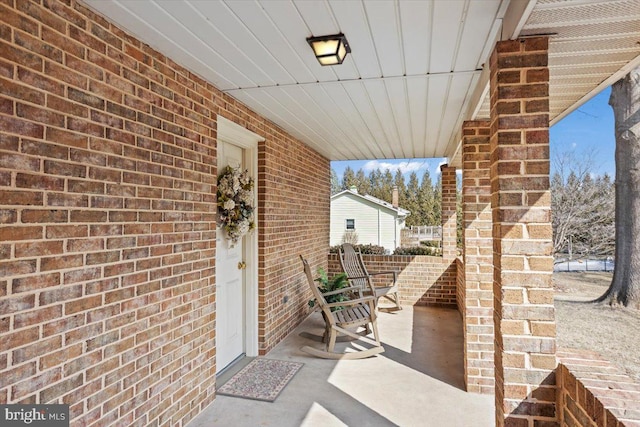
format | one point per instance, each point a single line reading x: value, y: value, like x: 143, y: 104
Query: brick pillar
x: 525, y: 342
x: 449, y: 251
x: 477, y: 311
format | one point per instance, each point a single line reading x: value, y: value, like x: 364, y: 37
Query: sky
x: 588, y: 130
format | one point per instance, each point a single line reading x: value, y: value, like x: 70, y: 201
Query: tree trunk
x: 625, y: 101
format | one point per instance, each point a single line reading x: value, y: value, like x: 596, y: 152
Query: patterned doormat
x: 261, y: 379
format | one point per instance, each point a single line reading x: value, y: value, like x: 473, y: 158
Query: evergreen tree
x: 375, y: 178
x: 412, y: 203
x: 335, y: 183
x: 398, y: 181
x: 363, y: 183
x: 426, y: 201
x: 348, y: 178
x: 387, y: 186
x: 437, y: 202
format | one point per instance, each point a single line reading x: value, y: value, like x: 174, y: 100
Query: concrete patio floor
x: 417, y: 381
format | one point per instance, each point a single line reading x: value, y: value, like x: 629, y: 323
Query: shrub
x: 431, y: 243
x: 418, y: 250
x: 370, y: 249
x: 367, y: 249
x: 350, y: 237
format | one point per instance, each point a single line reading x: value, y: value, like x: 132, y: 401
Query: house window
x: 351, y: 224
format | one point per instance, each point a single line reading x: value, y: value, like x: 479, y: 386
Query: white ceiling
x: 416, y: 68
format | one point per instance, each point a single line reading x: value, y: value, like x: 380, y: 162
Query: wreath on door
x: 235, y: 203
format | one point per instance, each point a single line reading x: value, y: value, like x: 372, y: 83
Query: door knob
x: 242, y: 265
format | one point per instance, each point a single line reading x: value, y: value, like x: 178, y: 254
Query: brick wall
x: 449, y: 212
x: 478, y: 258
x: 107, y: 216
x: 422, y: 279
x: 593, y: 393
x: 524, y: 323
x: 294, y: 213
x: 460, y: 290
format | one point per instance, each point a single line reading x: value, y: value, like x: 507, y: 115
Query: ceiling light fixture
x: 330, y: 50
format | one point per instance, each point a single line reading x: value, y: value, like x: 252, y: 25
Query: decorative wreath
x: 235, y: 203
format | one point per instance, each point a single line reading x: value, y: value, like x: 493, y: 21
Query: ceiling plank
x: 321, y: 21
x: 447, y: 23
x: 205, y: 21
x: 416, y: 18
x: 478, y: 22
x: 361, y: 98
x: 332, y: 114
x: 435, y: 111
x: 457, y: 100
x: 399, y: 102
x: 383, y: 21
x: 286, y: 17
x: 343, y: 102
x: 351, y: 15
x: 418, y: 89
x: 213, y: 66
x: 289, y: 120
x: 389, y: 140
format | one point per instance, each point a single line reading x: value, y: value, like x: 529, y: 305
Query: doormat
x: 262, y: 379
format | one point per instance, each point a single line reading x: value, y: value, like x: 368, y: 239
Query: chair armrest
x: 366, y: 276
x: 340, y: 291
x: 395, y: 274
x: 351, y: 302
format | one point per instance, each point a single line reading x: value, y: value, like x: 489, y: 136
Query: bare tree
x: 625, y: 101
x: 581, y: 206
x: 350, y: 237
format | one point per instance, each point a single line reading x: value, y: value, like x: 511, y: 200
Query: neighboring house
x: 375, y: 221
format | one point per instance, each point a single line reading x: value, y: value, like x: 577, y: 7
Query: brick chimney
x: 394, y: 197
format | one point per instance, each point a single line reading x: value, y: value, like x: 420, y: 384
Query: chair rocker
x: 353, y: 265
x: 353, y: 313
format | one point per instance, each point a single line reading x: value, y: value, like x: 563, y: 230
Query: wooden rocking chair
x: 353, y: 265
x: 354, y: 313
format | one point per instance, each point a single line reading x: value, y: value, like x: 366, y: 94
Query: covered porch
x: 113, y: 119
x: 417, y: 381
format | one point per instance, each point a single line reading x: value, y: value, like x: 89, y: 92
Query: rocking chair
x: 356, y: 313
x: 353, y: 265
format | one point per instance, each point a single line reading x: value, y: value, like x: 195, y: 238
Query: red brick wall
x: 460, y: 290
x: 294, y: 212
x: 594, y: 393
x: 449, y: 213
x: 525, y: 344
x: 422, y: 280
x: 107, y: 221
x: 478, y: 258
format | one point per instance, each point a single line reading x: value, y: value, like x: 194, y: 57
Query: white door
x: 230, y: 280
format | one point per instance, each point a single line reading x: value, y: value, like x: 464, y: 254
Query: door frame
x: 233, y: 133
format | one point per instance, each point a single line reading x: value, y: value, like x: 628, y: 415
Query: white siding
x: 374, y: 223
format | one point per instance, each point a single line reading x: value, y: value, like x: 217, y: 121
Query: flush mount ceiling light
x: 330, y: 50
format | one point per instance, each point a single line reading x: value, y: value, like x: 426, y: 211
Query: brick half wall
x: 594, y: 393
x: 422, y: 280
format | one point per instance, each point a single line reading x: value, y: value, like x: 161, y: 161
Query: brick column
x: 477, y: 311
x: 525, y: 342
x: 449, y: 251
